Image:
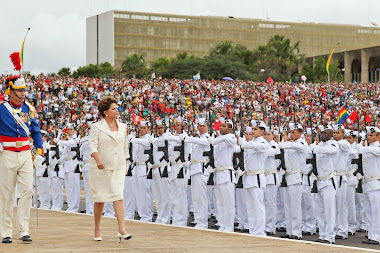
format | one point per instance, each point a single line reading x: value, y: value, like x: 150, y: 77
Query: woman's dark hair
x: 105, y: 104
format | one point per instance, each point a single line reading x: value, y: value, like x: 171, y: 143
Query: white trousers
x: 72, y: 186
x: 43, y: 189
x: 179, y: 196
x: 89, y: 203
x: 211, y: 201
x: 15, y: 167
x: 189, y: 197
x: 270, y: 201
x: 199, y: 200
x: 241, y: 209
x: 254, y: 198
x: 225, y: 203
x: 351, y: 210
x: 129, y: 197
x: 144, y: 200
x: 56, y: 193
x: 293, y: 210
x: 361, y: 217
x: 373, y: 214
x: 309, y: 219
x: 162, y: 197
x: 109, y: 210
x: 280, y: 208
x: 325, y: 209
x: 341, y: 225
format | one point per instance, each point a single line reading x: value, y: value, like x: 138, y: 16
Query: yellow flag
x: 328, y: 61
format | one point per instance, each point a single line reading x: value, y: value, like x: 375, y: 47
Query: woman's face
x: 112, y: 112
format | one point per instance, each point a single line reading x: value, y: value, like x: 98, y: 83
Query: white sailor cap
x: 338, y: 127
x: 70, y: 125
x: 348, y: 132
x: 144, y: 123
x: 43, y: 132
x: 283, y: 129
x: 258, y: 123
x: 309, y: 131
x: 248, y: 129
x: 267, y: 129
x: 293, y: 126
x: 372, y: 129
x: 201, y: 121
x: 159, y: 122
x: 228, y: 121
x: 180, y: 119
x: 325, y: 127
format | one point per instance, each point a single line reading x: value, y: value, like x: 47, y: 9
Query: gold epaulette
x: 32, y: 110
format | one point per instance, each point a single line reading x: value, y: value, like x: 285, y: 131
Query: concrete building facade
x: 114, y: 35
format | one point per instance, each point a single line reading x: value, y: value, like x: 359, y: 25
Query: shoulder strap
x: 32, y: 110
x: 17, y: 118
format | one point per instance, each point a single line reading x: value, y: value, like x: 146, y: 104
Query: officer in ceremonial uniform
x: 143, y: 185
x: 72, y: 179
x: 272, y: 181
x: 85, y: 163
x: 57, y: 158
x: 295, y: 159
x: 199, y: 174
x: 371, y: 185
x: 351, y: 180
x: 161, y: 177
x: 42, y: 175
x: 255, y: 156
x: 341, y: 226
x: 224, y: 177
x: 17, y: 121
x: 326, y: 155
x: 178, y: 175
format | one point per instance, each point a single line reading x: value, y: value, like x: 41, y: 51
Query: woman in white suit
x: 108, y: 163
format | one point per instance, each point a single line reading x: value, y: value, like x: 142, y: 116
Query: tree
x: 106, y: 69
x: 318, y: 73
x: 183, y: 68
x: 161, y: 65
x: 219, y: 67
x: 63, y: 72
x: 134, y: 65
x: 224, y: 48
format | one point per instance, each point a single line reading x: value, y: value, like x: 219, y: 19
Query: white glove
x: 240, y: 141
x: 150, y: 139
x: 211, y: 140
x: 1, y: 147
x: 182, y: 136
x: 186, y: 164
x: 38, y: 160
x: 281, y: 145
x: 359, y: 176
x: 210, y: 170
x: 56, y: 140
x: 240, y: 172
x: 312, y: 178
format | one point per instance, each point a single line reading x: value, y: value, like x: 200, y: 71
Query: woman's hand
x: 100, y: 165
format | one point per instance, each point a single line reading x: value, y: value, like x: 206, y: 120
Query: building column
x: 348, y: 58
x: 365, y: 56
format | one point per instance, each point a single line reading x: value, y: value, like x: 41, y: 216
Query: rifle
x: 149, y: 160
x: 130, y: 148
x: 165, y: 157
x: 181, y: 150
x: 47, y: 162
x: 281, y: 157
x: 313, y: 162
x: 77, y: 156
x: 210, y: 155
x: 359, y: 163
x: 56, y: 155
x: 239, y: 156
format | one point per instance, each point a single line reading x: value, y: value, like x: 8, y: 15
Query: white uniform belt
x: 331, y: 175
x: 224, y: 168
x: 158, y: 166
x: 340, y: 173
x: 288, y: 173
x: 371, y: 179
x: 69, y: 159
x: 175, y: 163
x: 85, y: 161
x: 198, y: 161
x: 270, y: 172
x: 15, y: 144
x: 254, y: 172
x: 350, y: 173
x: 142, y: 163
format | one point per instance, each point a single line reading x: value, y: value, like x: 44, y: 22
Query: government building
x: 114, y: 35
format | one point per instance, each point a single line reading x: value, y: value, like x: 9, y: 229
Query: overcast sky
x: 58, y: 28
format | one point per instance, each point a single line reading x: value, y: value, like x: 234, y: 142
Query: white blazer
x: 112, y: 148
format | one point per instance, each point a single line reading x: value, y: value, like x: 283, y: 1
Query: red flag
x: 270, y: 80
x: 137, y: 119
x: 368, y: 118
x: 354, y: 116
x: 216, y: 125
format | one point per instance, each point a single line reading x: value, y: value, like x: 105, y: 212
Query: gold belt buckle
x: 18, y: 144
